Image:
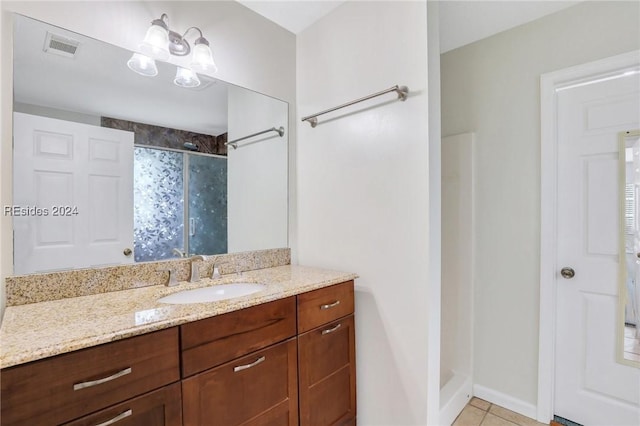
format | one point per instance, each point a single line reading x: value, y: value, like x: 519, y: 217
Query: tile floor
x: 631, y: 344
x: 482, y: 413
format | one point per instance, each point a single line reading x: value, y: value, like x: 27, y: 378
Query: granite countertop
x: 40, y: 330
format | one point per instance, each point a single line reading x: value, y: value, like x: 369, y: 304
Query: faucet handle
x: 215, y: 271
x: 173, y: 281
x: 195, y: 270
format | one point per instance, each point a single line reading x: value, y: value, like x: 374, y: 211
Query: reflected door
x: 79, y: 177
x: 591, y: 386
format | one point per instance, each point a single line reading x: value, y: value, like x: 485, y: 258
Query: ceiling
x: 294, y: 16
x: 461, y: 22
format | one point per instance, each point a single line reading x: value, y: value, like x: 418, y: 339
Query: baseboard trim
x: 454, y: 396
x: 506, y: 401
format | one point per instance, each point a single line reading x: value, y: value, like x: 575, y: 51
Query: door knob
x: 127, y: 252
x: 567, y: 272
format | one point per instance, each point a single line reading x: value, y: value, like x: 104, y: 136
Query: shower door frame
x: 185, y: 184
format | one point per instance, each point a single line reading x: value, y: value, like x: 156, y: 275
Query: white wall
x: 492, y: 88
x: 257, y: 172
x: 363, y: 191
x: 249, y: 50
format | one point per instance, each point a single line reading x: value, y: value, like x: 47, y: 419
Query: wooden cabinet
x: 66, y: 387
x: 236, y: 373
x: 258, y: 389
x: 283, y: 363
x: 326, y: 357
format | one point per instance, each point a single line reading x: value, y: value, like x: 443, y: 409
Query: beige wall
x: 249, y: 50
x: 492, y: 88
x: 363, y: 200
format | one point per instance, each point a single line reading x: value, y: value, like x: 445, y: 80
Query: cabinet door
x: 328, y: 374
x: 158, y: 408
x: 258, y: 389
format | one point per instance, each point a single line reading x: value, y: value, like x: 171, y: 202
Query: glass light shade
x: 143, y: 65
x: 156, y: 43
x: 202, y: 59
x: 186, y: 78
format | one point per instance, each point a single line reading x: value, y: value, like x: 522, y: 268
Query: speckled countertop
x: 40, y: 330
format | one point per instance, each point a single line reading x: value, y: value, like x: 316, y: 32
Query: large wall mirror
x: 112, y: 167
x: 629, y: 337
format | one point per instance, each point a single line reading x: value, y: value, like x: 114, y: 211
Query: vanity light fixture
x: 186, y: 78
x: 160, y: 43
x: 143, y: 65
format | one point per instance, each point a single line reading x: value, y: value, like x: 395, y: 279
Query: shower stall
x: 180, y: 203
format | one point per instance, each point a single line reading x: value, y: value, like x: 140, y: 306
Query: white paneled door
x: 591, y: 388
x: 72, y: 195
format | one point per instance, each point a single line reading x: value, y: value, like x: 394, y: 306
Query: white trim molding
x: 550, y: 83
x: 454, y: 396
x: 505, y: 401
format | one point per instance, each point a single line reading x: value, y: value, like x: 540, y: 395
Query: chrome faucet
x: 195, y: 270
x: 179, y: 252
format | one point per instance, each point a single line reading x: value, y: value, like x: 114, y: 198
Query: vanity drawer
x: 214, y: 341
x: 324, y: 305
x: 63, y: 388
x: 162, y: 407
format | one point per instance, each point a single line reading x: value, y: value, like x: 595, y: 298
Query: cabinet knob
x: 127, y: 251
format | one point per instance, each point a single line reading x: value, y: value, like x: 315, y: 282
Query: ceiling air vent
x: 61, y: 46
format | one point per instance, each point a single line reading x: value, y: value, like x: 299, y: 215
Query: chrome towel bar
x: 402, y: 91
x: 234, y: 143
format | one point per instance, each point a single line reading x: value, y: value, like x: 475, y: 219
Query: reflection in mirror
x: 630, y: 268
x: 113, y: 167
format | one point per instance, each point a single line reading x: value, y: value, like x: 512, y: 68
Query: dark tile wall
x: 147, y: 134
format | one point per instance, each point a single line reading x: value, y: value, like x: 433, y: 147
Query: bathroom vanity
x: 284, y: 356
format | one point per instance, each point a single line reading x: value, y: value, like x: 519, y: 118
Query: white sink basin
x: 213, y: 293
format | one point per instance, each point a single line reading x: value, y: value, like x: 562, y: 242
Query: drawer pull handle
x: 83, y: 385
x: 331, y: 330
x: 330, y: 305
x: 116, y: 418
x: 253, y: 364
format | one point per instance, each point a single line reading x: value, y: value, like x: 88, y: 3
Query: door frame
x: 588, y: 73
